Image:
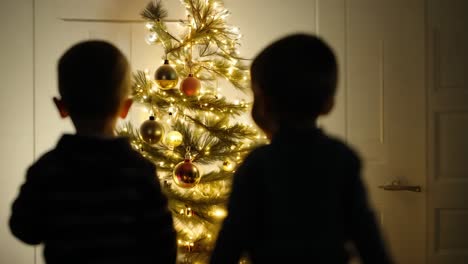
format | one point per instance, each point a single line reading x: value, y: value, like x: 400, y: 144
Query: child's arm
x: 238, y: 229
x: 157, y: 223
x: 25, y: 219
x: 362, y: 225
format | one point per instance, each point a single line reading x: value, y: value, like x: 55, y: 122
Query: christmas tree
x: 193, y: 133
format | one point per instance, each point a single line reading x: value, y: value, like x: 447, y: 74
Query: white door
x: 382, y: 112
x: 448, y: 129
x: 381, y: 102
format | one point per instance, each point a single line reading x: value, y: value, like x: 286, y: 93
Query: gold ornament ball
x: 173, y: 138
x: 186, y: 174
x: 190, y: 86
x: 229, y: 165
x: 166, y: 77
x: 151, y: 131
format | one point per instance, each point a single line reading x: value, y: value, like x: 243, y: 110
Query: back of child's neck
x: 294, y: 123
x: 92, y: 128
x: 95, y: 134
x: 99, y: 132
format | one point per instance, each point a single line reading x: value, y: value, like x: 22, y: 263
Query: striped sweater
x: 94, y: 200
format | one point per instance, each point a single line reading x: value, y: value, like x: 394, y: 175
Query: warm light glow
x: 229, y: 165
x: 149, y: 25
x: 151, y: 38
x: 218, y: 212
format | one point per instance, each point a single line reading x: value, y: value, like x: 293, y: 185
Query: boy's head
x: 294, y: 80
x: 93, y: 80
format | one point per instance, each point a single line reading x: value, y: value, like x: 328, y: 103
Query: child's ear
x: 60, y: 107
x: 125, y: 108
x: 329, y: 104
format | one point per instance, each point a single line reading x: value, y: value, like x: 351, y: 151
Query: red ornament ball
x: 190, y: 86
x: 186, y: 174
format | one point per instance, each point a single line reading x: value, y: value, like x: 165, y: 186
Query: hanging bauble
x: 229, y: 165
x: 190, y: 86
x: 186, y: 174
x: 173, y: 139
x: 166, y: 77
x: 151, y: 38
x: 151, y: 131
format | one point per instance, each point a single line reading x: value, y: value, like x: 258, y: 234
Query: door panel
x: 386, y: 114
x: 448, y: 127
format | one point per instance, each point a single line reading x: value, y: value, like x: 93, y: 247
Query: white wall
x: 16, y: 116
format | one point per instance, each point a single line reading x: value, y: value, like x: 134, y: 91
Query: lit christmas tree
x: 193, y: 133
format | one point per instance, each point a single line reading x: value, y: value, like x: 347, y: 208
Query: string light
x: 206, y: 110
x: 219, y: 213
x: 149, y: 25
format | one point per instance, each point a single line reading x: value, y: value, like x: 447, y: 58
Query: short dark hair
x: 298, y: 73
x: 93, y: 79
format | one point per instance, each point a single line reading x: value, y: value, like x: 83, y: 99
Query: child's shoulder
x: 46, y: 159
x: 342, y: 148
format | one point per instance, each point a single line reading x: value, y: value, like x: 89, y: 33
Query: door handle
x: 396, y: 186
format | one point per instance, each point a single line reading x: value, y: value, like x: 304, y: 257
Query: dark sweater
x: 299, y: 199
x: 93, y: 200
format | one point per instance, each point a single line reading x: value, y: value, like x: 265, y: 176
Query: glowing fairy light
x: 151, y: 38
x: 219, y: 213
x: 149, y: 25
